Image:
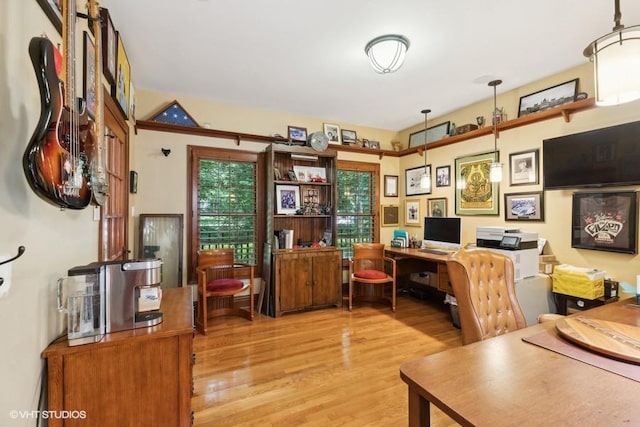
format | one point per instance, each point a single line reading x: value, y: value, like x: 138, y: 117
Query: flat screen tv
x: 598, y: 158
x: 442, y: 232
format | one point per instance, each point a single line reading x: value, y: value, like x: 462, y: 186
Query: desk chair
x: 220, y: 279
x: 368, y: 277
x: 484, y: 286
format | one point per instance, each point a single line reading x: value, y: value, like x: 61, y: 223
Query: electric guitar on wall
x: 55, y: 162
x: 97, y: 154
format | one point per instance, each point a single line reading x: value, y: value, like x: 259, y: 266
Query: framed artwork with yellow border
x: 475, y: 193
x: 389, y: 215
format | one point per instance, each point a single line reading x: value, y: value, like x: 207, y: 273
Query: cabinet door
x: 327, y: 268
x: 294, y: 279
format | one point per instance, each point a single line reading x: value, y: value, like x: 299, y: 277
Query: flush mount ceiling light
x: 616, y: 63
x: 386, y: 53
x: 495, y: 172
x: 425, y: 179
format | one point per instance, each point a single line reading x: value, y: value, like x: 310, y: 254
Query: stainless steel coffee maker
x: 106, y: 297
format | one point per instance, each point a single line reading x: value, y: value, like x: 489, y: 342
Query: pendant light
x: 425, y: 179
x: 616, y: 63
x: 386, y: 53
x: 495, y: 172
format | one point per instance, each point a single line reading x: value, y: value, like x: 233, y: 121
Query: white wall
x: 55, y: 240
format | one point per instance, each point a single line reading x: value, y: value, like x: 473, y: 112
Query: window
x: 223, y: 204
x: 358, y: 200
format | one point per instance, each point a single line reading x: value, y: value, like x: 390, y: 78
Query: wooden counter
x: 136, y: 377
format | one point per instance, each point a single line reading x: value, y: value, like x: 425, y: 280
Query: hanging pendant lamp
x: 425, y: 179
x: 495, y: 171
x: 616, y: 63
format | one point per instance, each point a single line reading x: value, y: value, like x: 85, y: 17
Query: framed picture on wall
x: 437, y: 207
x: 120, y: 91
x: 605, y: 221
x: 523, y: 167
x: 412, y: 181
x: 475, y: 193
x: 389, y: 215
x: 53, y: 10
x: 109, y: 47
x: 391, y: 185
x: 412, y: 213
x: 524, y: 206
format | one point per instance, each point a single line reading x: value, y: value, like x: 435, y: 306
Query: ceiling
x: 307, y: 57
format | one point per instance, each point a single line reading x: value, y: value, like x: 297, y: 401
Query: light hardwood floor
x: 320, y: 368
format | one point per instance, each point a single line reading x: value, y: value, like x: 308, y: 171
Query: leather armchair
x: 484, y: 286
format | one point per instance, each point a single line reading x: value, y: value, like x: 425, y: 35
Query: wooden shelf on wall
x: 565, y: 111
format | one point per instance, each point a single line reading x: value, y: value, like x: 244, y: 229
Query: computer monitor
x: 440, y: 232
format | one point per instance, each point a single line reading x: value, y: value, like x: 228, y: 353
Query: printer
x: 521, y: 247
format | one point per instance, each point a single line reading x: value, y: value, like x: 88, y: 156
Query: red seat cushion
x: 370, y: 274
x: 224, y: 285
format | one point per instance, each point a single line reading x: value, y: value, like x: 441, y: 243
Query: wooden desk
x: 139, y: 377
x: 409, y: 260
x: 506, y: 381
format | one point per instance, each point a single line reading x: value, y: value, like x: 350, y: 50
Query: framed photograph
x: 287, y: 199
x: 374, y: 144
x: 524, y: 206
x: 475, y: 193
x: 333, y: 133
x: 437, y: 207
x: 132, y: 101
x: 443, y: 176
x: 89, y: 75
x: 524, y: 167
x: 548, y: 98
x: 605, y: 221
x: 348, y: 136
x: 412, y: 213
x: 109, y: 47
x: 53, y: 10
x: 412, y: 181
x: 434, y: 133
x: 296, y: 133
x: 389, y: 215
x: 120, y: 91
x: 310, y: 173
x: 391, y: 185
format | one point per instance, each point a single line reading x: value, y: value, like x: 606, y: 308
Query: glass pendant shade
x: 616, y: 64
x: 495, y: 172
x: 425, y: 179
x: 386, y: 53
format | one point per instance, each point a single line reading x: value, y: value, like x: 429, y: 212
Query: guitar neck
x: 95, y: 21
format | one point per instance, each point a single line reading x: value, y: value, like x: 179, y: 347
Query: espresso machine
x: 106, y: 297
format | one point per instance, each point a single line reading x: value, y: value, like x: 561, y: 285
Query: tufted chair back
x: 483, y: 284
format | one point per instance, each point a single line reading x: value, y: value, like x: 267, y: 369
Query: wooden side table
x: 562, y: 301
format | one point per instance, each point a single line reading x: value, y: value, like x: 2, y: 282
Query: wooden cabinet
x: 140, y: 377
x: 306, y: 272
x: 307, y: 279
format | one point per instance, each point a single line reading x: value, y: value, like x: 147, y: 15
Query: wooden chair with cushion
x: 483, y: 282
x: 368, y: 276
x: 220, y: 279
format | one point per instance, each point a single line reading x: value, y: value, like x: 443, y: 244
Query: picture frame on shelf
x: 296, y: 133
x: 333, y: 133
x: 434, y: 133
x: 287, y: 199
x: 412, y: 181
x: 475, y: 193
x: 374, y: 145
x: 524, y: 206
x: 310, y: 173
x: 89, y: 75
x: 548, y: 98
x: 605, y: 221
x: 389, y: 215
x: 524, y: 167
x: 120, y: 90
x: 109, y: 47
x: 443, y: 176
x: 391, y: 185
x: 53, y: 10
x: 348, y: 136
x: 437, y: 207
x: 412, y: 213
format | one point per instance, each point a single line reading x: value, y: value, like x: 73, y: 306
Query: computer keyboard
x: 434, y: 251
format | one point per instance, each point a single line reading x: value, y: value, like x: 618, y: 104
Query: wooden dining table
x: 508, y: 381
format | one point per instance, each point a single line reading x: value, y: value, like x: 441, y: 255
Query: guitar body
x: 55, y: 162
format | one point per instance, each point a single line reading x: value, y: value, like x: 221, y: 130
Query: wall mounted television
x: 599, y: 158
x: 442, y: 232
